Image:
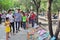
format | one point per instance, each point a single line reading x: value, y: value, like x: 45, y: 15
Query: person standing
x: 21, y: 16
x: 24, y: 21
x: 27, y: 20
x: 7, y: 28
x: 18, y: 18
x: 3, y: 17
x: 32, y: 17
x: 0, y: 18
x: 11, y: 19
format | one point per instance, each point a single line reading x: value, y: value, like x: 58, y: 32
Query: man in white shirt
x: 11, y: 19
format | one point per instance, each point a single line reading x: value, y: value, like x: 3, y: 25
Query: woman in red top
x: 33, y: 17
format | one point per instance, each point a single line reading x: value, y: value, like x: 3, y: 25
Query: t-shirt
x: 17, y: 17
x: 10, y: 16
x: 33, y: 17
x: 24, y: 18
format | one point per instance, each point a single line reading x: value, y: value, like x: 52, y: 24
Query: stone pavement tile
x: 22, y: 35
x: 2, y: 32
x: 19, y: 36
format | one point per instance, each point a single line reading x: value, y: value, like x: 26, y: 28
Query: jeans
x: 33, y: 21
x: 29, y: 20
x: 24, y: 25
x: 17, y: 25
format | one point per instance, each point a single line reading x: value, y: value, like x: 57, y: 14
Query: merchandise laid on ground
x: 37, y: 33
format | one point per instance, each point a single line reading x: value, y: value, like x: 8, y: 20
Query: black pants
x: 12, y: 25
x: 0, y: 20
x: 21, y: 24
x: 17, y: 25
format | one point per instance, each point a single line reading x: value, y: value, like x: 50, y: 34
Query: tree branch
x: 35, y: 3
x: 39, y: 3
x: 50, y: 1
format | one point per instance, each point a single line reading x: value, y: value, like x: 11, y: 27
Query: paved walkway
x: 2, y: 33
x: 22, y: 35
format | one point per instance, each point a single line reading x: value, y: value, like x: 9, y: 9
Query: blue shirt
x: 18, y: 17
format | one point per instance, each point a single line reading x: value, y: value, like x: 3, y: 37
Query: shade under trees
x: 25, y: 5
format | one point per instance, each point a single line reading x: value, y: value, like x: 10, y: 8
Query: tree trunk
x: 37, y: 4
x: 37, y: 14
x: 49, y: 18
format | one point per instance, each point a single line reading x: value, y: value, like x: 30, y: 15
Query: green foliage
x: 43, y: 5
x: 25, y: 5
x: 6, y: 4
x: 56, y: 5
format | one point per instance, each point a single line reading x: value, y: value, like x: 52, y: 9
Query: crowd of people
x: 17, y: 19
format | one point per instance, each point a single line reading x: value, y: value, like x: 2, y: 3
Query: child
x: 24, y: 20
x: 27, y: 19
x: 7, y: 28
